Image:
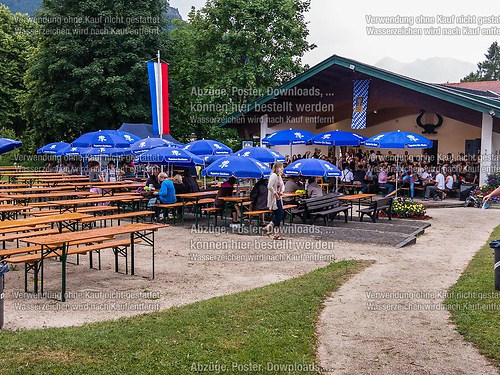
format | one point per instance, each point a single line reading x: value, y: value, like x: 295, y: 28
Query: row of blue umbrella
x: 247, y: 163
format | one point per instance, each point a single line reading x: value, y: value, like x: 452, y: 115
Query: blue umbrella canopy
x: 7, y: 145
x: 146, y: 144
x: 207, y: 147
x: 73, y: 151
x: 312, y: 168
x: 105, y: 138
x: 288, y: 137
x: 338, y: 138
x: 237, y: 166
x: 52, y: 148
x: 168, y: 155
x: 262, y: 154
x: 398, y: 139
x: 107, y: 151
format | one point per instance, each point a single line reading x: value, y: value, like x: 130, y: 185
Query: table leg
x: 132, y: 263
x: 64, y: 255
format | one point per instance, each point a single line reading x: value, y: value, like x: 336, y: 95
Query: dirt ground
x: 357, y: 333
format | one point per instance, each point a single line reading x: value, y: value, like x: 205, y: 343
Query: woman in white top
x: 275, y: 189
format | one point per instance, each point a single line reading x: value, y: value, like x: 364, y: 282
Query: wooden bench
x: 83, y: 210
x: 212, y: 210
x: 327, y: 206
x: 166, y: 207
x: 375, y: 207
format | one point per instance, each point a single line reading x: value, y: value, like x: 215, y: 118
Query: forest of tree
x: 82, y: 70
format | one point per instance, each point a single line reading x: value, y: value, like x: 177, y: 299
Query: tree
x: 488, y: 70
x: 89, y: 71
x: 231, y: 52
x: 16, y: 45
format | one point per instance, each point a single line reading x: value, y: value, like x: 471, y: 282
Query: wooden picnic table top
x: 56, y: 194
x: 49, y: 219
x: 353, y: 197
x: 67, y: 178
x: 52, y: 239
x: 13, y: 208
x: 198, y: 194
x: 99, y: 183
x: 235, y: 199
x: 97, y: 199
x: 30, y: 190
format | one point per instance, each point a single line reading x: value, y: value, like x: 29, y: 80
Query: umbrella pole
x: 397, y: 169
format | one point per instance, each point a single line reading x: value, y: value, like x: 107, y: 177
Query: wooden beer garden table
x: 61, y: 220
x: 72, y: 204
x: 196, y: 198
x: 353, y: 197
x: 60, y: 243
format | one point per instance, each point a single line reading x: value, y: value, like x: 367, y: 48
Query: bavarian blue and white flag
x: 359, y: 103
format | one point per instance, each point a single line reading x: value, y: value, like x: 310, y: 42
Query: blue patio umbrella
x: 398, y: 140
x: 288, y: 137
x: 338, y: 138
x: 168, y: 155
x: 207, y: 147
x: 262, y: 154
x: 312, y: 168
x: 7, y: 145
x: 52, y: 148
x: 105, y: 138
x: 107, y: 151
x: 237, y: 166
x: 73, y: 151
x: 146, y: 144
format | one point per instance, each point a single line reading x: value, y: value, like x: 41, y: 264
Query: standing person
x: 275, y: 188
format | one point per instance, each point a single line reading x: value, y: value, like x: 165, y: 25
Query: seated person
x: 166, y: 194
x: 258, y: 195
x: 313, y: 189
x: 409, y: 182
x: 448, y: 182
x: 178, y: 185
x: 291, y: 186
x: 383, y: 181
x: 94, y: 174
x: 439, y: 184
x: 190, y: 183
x: 226, y: 190
x: 152, y: 180
x: 359, y: 176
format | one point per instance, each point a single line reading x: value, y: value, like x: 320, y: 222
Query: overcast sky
x: 340, y: 27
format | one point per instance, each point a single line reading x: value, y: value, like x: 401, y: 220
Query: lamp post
x: 192, y: 137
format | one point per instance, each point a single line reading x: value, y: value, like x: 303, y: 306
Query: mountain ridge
x: 432, y: 70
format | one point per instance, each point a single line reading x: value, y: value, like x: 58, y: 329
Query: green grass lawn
x: 273, y: 324
x: 475, y: 304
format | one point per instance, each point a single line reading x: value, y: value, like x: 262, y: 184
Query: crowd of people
x: 374, y: 171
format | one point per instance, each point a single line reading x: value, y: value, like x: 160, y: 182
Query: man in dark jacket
x: 258, y: 195
x: 190, y: 183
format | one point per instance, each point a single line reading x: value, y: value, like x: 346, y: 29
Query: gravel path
x: 361, y: 330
